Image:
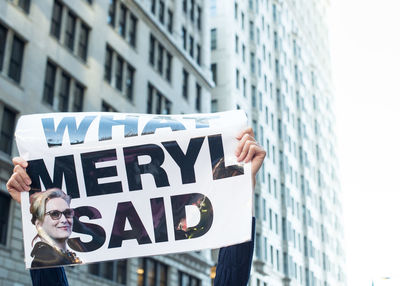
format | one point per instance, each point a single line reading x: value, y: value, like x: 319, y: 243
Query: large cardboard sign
x: 139, y: 185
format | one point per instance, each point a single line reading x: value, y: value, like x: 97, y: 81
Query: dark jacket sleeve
x: 49, y: 276
x: 234, y: 263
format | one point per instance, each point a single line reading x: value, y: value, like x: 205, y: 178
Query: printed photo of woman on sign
x: 53, y: 219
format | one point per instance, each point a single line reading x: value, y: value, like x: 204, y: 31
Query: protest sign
x: 139, y: 185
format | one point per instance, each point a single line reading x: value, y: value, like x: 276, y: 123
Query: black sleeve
x: 234, y: 263
x: 49, y: 276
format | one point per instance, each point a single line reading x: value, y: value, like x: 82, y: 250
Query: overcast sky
x: 366, y: 59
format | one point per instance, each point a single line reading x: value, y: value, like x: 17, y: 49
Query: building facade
x: 271, y: 59
x: 144, y: 56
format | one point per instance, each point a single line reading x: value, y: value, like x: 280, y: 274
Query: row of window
x: 119, y: 73
x: 188, y: 44
x: 192, y: 10
x: 11, y: 53
x: 60, y: 87
x: 158, y: 8
x: 73, y: 33
x: 160, y: 58
x: 123, y: 20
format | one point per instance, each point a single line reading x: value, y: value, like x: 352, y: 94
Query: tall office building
x: 145, y: 56
x: 271, y: 59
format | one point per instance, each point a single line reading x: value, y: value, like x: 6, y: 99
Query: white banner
x: 139, y: 185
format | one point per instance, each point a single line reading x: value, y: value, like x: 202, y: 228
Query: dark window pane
x: 198, y: 97
x: 106, y: 107
x: 160, y: 62
x: 7, y: 130
x: 129, y: 82
x: 150, y: 90
x: 198, y: 60
x: 152, y: 50
x: 161, y: 12
x: 170, y: 21
x: 191, y: 46
x: 192, y: 10
x: 163, y: 275
x: 121, y: 271
x: 184, y: 5
x: 108, y: 272
x: 94, y: 269
x: 78, y: 98
x: 17, y: 54
x: 122, y: 21
x: 132, y: 31
x: 199, y: 15
x: 159, y: 103
x: 214, y: 72
x: 185, y: 80
x: 70, y: 31
x: 24, y: 4
x: 4, y: 216
x: 169, y: 67
x: 153, y: 6
x: 108, y: 65
x: 184, y: 38
x: 83, y: 42
x: 111, y: 13
x: 151, y: 272
x: 64, y: 93
x: 3, y: 37
x: 56, y: 19
x: 119, y: 73
x: 49, y: 82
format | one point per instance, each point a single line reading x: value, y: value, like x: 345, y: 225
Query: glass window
x: 56, y: 20
x: 214, y: 72
x: 3, y: 38
x: 108, y: 64
x: 83, y: 41
x: 111, y: 270
x: 170, y: 22
x: 70, y: 31
x: 185, y: 83
x: 213, y: 39
x: 198, y: 97
x: 160, y: 62
x: 161, y: 9
x: 119, y: 73
x: 4, y: 216
x: 122, y: 21
x: 7, y: 132
x: 24, y: 4
x: 64, y: 93
x: 111, y: 12
x: 78, y: 97
x: 17, y: 53
x: 49, y: 83
x: 168, y: 70
x: 198, y: 59
x: 199, y: 15
x: 129, y: 82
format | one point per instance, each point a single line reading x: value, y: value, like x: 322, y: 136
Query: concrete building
x: 271, y: 59
x: 145, y: 56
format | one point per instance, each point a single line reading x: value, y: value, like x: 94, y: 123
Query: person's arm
x: 234, y: 262
x: 20, y: 182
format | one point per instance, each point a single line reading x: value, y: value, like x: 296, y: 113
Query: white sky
x: 365, y: 40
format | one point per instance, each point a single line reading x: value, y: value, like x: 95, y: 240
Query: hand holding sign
x: 162, y: 219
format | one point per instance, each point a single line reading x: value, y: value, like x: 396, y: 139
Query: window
x: 214, y: 105
x: 56, y: 20
x: 132, y: 30
x: 258, y: 246
x: 4, y: 216
x: 49, y: 83
x: 213, y: 39
x: 184, y: 38
x: 17, y: 53
x: 122, y: 20
x: 251, y: 30
x: 198, y: 97
x: 83, y: 42
x: 107, y: 107
x: 108, y: 64
x: 111, y: 270
x: 119, y: 73
x: 7, y: 134
x: 160, y: 61
x: 237, y: 78
x: 198, y: 59
x: 192, y: 10
x: 236, y: 10
x: 191, y: 46
x: 237, y: 44
x: 244, y: 87
x: 214, y: 72
x: 3, y: 38
x: 170, y: 21
x: 185, y: 84
x: 64, y: 92
x: 151, y: 272
x: 243, y: 53
x: 199, y: 15
x: 184, y: 5
x: 68, y: 87
x: 111, y: 12
x: 161, y: 9
x: 157, y: 103
x: 252, y: 62
x: 188, y: 280
x: 70, y: 31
